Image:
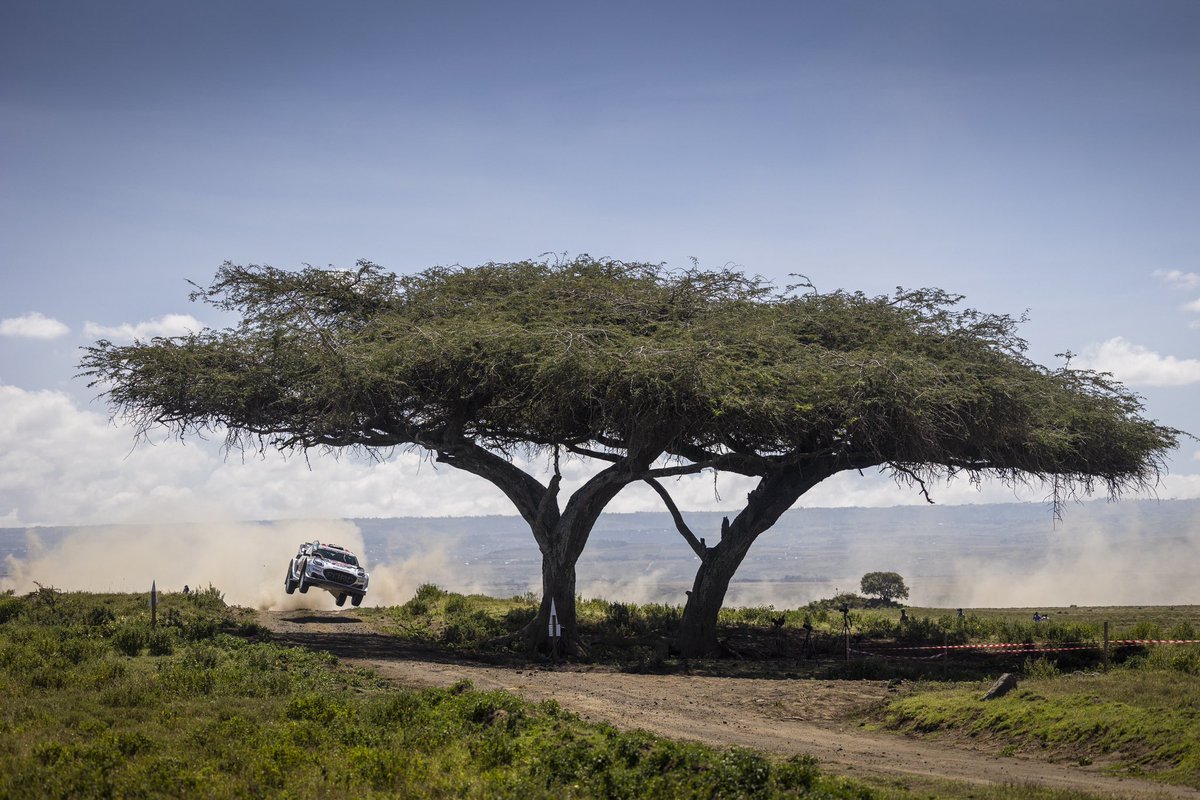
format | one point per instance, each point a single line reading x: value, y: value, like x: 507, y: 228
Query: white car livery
x: 330, y: 567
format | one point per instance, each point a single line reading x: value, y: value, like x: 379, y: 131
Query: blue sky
x: 1040, y: 156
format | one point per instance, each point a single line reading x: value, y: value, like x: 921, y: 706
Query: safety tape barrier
x: 899, y: 658
x: 984, y: 646
x: 1025, y: 646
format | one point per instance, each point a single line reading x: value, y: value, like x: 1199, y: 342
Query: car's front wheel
x: 341, y: 599
x: 289, y: 583
x: 356, y: 599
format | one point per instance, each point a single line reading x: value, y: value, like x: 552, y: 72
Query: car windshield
x: 337, y: 555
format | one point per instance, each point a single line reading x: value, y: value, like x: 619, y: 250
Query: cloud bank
x: 33, y: 326
x: 1178, y: 278
x: 1139, y: 366
x: 166, y: 325
x: 64, y: 465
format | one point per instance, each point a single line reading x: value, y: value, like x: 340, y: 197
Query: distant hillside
x: 1005, y: 554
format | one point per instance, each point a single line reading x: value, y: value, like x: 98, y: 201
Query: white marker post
x: 555, y: 628
x: 153, y: 605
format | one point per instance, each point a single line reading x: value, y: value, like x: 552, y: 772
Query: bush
x: 129, y: 639
x: 160, y: 642
x: 1145, y: 630
x: 471, y: 628
x: 10, y: 606
x: 1176, y: 658
x: 1183, y: 630
x: 1040, y: 668
x: 430, y: 593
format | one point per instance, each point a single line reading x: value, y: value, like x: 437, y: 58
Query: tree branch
x: 583, y: 451
x: 680, y: 525
x: 914, y: 478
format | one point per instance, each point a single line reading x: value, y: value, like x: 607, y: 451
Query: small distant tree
x: 887, y: 586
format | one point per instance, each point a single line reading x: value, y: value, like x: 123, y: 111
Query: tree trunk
x: 558, y: 585
x: 697, y: 633
x: 775, y: 494
x: 560, y: 536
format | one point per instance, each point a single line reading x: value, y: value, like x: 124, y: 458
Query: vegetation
x: 887, y: 586
x: 625, y: 365
x: 1140, y: 718
x: 99, y: 704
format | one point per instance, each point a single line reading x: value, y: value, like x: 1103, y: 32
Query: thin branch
x: 914, y: 478
x: 583, y: 451
x: 680, y: 525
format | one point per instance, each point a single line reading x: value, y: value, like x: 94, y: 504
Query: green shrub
x: 429, y: 592
x: 416, y: 607
x: 1182, y: 630
x: 315, y: 707
x: 129, y: 639
x: 1145, y: 630
x: 160, y: 642
x: 741, y: 773
x: 471, y: 628
x: 1040, y: 668
x: 797, y: 774
x: 10, y: 606
x: 517, y: 618
x: 1176, y: 658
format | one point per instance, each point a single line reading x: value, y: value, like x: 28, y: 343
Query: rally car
x: 330, y: 567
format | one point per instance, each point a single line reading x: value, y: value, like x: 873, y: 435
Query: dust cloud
x: 1082, y: 565
x: 1004, y: 556
x: 654, y: 586
x: 245, y: 561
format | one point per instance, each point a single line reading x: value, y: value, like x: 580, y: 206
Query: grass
x: 99, y: 704
x: 636, y: 636
x: 1141, y: 718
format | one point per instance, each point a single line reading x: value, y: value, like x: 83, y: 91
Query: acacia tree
x: 473, y: 366
x: 802, y: 388
x: 628, y: 365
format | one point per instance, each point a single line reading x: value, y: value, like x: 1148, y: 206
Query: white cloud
x: 1178, y: 278
x: 33, y: 326
x: 166, y: 325
x: 65, y: 465
x: 1138, y: 365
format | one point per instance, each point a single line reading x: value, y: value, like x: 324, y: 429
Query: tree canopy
x: 585, y: 353
x: 887, y: 586
x: 628, y: 364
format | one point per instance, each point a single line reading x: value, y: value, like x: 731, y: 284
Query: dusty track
x: 778, y: 716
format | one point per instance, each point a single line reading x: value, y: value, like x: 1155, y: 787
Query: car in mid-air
x: 330, y: 567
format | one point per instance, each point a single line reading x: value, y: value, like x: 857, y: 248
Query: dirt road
x: 777, y: 716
